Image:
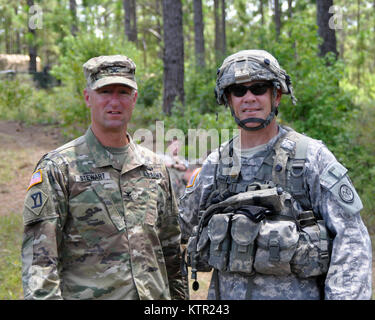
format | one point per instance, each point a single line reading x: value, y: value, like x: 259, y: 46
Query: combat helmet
x: 250, y: 65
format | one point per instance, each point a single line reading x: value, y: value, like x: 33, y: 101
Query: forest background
x: 326, y: 46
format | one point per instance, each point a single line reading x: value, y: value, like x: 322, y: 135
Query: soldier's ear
x: 87, y: 97
x: 279, y: 94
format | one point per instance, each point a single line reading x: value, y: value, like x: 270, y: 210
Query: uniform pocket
x: 243, y: 231
x: 277, y: 242
x: 140, y: 198
x: 218, y: 232
x: 312, y: 254
x: 95, y: 215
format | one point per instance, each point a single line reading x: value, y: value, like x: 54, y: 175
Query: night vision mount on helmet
x: 250, y: 65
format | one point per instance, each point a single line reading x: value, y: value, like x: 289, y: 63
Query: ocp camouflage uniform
x: 96, y: 229
x: 349, y: 272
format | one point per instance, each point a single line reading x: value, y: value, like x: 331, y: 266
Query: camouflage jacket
x: 349, y: 273
x: 97, y: 230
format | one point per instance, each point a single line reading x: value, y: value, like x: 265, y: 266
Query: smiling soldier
x: 272, y: 211
x: 100, y: 215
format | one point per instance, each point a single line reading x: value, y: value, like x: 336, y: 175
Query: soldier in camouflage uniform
x: 100, y: 215
x: 272, y: 211
x: 178, y: 168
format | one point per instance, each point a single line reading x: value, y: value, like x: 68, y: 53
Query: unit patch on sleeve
x: 36, y: 178
x: 346, y: 193
x: 35, y: 201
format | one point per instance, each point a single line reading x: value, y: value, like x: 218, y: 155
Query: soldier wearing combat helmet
x: 272, y: 212
x: 100, y: 216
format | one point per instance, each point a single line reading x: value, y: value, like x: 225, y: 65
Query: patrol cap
x: 104, y: 70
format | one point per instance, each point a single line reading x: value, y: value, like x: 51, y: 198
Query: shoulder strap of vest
x: 289, y: 165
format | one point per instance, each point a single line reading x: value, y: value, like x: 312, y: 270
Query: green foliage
x: 19, y: 100
x: 10, y: 257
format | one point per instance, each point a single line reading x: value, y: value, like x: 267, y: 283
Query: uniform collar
x: 103, y: 157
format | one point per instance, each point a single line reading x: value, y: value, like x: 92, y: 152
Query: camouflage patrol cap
x: 250, y: 65
x: 104, y: 70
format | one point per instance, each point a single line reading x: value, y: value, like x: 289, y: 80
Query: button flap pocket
x: 243, y: 230
x: 287, y: 231
x: 218, y: 227
x: 105, y: 197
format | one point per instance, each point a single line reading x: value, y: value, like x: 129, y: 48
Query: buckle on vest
x: 298, y: 167
x: 306, y: 219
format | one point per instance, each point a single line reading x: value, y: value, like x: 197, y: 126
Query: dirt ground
x: 20, y: 149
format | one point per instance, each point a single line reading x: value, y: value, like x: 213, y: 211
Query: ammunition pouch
x: 237, y: 236
x: 198, y: 251
x: 276, y: 244
x: 218, y: 232
x: 243, y: 232
x: 313, y: 251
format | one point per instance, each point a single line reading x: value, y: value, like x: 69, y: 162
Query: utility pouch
x: 313, y: 251
x: 243, y: 232
x: 218, y: 232
x: 277, y: 242
x: 197, y: 250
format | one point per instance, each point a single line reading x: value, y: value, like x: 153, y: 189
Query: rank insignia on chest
x: 36, y: 178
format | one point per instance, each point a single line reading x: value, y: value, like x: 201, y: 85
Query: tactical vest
x: 281, y: 235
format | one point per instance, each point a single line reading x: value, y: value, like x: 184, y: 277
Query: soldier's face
x: 252, y: 105
x: 111, y: 106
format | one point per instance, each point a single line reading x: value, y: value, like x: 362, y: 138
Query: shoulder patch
x: 35, y: 201
x: 193, y: 178
x: 36, y: 178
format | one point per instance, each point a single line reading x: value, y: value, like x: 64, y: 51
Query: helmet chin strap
x: 263, y: 122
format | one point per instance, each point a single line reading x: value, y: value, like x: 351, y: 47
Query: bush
x: 21, y: 101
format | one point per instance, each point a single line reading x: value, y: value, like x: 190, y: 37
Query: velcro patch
x: 36, y: 178
x: 193, y: 177
x: 35, y: 201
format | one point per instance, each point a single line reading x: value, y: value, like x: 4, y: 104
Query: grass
x: 11, y: 228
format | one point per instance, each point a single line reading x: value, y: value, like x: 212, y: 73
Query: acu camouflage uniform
x: 301, y: 235
x: 349, y: 271
x: 98, y: 229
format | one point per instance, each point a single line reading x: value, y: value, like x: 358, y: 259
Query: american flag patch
x: 193, y: 178
x: 35, y: 179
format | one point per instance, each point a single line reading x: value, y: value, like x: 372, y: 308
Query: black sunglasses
x: 257, y: 89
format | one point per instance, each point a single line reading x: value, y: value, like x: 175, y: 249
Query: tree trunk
x: 73, y: 13
x: 277, y: 18
x: 32, y: 44
x: 198, y: 34
x: 217, y: 30
x: 325, y: 32
x: 18, y: 36
x: 220, y: 36
x: 130, y: 20
x: 173, y: 54
x: 223, y: 31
